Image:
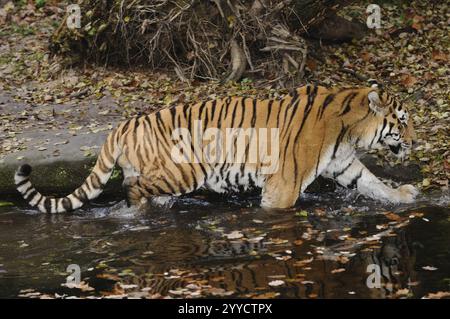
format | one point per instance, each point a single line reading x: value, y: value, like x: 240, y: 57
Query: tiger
x: 317, y: 132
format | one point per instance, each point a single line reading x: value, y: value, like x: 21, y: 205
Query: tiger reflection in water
x: 228, y: 267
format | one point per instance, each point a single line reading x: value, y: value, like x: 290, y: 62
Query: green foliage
x: 302, y: 213
x: 39, y: 3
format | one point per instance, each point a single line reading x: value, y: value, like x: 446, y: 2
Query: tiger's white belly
x: 233, y: 179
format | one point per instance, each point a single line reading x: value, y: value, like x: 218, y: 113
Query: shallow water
x: 205, y: 247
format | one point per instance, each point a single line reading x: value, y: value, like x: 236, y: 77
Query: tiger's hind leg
x: 140, y: 192
x: 135, y: 194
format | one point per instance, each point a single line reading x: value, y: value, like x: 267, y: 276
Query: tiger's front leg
x: 352, y: 173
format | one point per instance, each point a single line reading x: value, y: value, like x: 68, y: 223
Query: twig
x: 355, y: 74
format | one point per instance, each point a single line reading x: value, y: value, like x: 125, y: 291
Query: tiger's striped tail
x: 90, y: 189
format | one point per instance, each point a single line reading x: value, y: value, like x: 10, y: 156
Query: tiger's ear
x: 375, y: 102
x: 374, y: 97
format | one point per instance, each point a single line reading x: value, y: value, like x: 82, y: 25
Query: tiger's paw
x: 406, y: 193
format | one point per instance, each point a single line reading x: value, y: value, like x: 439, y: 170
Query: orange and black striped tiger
x: 310, y: 132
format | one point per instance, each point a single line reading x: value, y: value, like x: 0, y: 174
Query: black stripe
x: 354, y: 181
x: 97, y: 181
x: 213, y: 108
x: 373, y: 138
x: 243, y: 112
x: 136, y: 124
x: 308, y: 107
x: 233, y: 114
x: 67, y: 204
x: 173, y: 113
x: 382, y: 129
x: 328, y: 99
x: 318, y: 156
x: 337, y: 174
x: 22, y: 183
x: 339, y: 140
x: 83, y: 195
x: 222, y: 109
x: 255, y: 101
x: 40, y: 200
x: 311, y: 98
x: 201, y: 109
x: 364, y: 117
x: 269, y: 110
x: 250, y: 180
x: 125, y: 127
x: 346, y: 104
x: 28, y: 189
x: 48, y: 205
x: 294, y: 94
x: 31, y: 195
x: 296, y: 106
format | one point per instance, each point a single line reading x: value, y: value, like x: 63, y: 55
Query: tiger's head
x: 394, y: 126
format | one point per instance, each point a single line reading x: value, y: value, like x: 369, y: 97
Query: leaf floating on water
x: 125, y: 287
x: 430, y: 268
x: 83, y: 286
x: 176, y: 292
x: 392, y: 216
x: 335, y: 271
x: 438, y: 295
x: 302, y: 213
x: 301, y: 263
x: 283, y: 258
x: 220, y: 292
x: 276, y: 283
x: 5, y: 203
x: 403, y: 292
x: 278, y: 241
x: 267, y: 295
x: 234, y: 235
x: 139, y: 228
x: 373, y: 238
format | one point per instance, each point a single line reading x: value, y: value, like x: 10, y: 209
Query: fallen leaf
x: 439, y: 56
x: 408, y: 80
